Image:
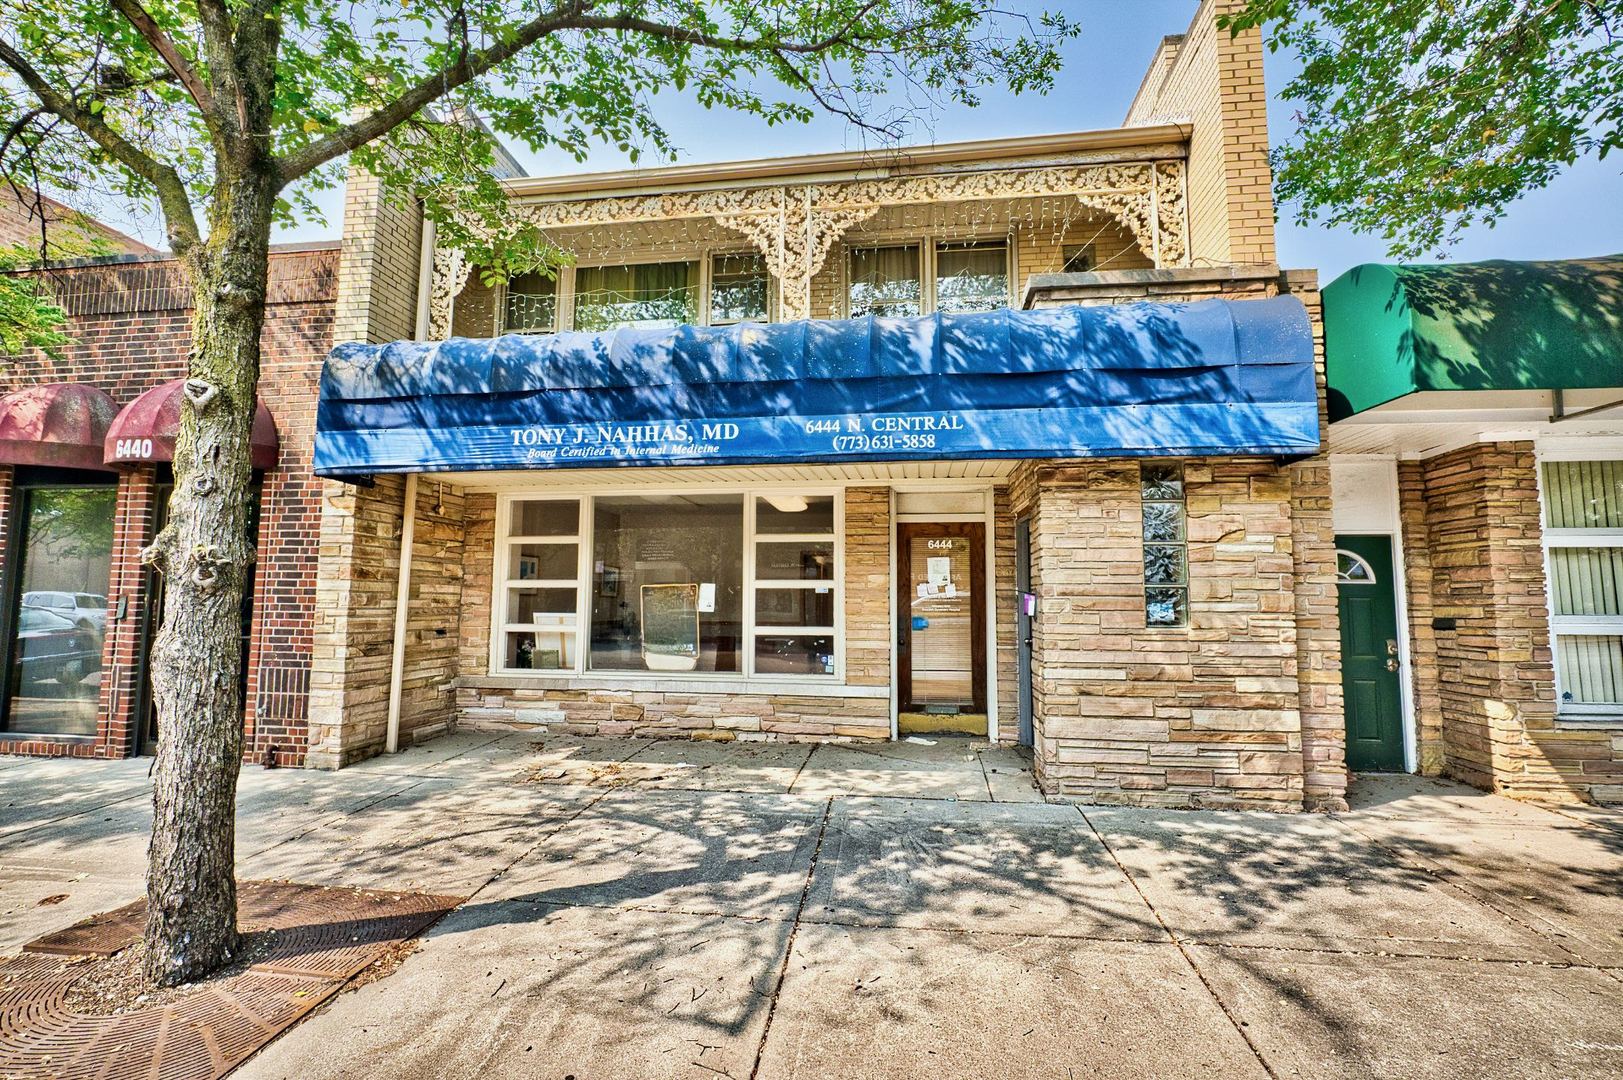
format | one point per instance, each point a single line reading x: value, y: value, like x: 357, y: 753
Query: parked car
x: 52, y: 646
x: 88, y: 610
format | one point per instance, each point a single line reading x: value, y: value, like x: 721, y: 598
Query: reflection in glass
x: 543, y: 562
x: 651, y: 541
x: 795, y: 560
x: 646, y: 295
x: 545, y: 517
x: 794, y: 654
x: 532, y: 304
x: 885, y: 281
x: 1166, y: 607
x: 794, y: 607
x: 61, y: 615
x: 737, y: 289
x: 972, y: 277
x: 799, y: 514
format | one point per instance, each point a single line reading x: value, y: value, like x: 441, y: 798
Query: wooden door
x: 941, y: 630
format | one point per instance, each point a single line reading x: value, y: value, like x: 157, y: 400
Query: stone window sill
x: 757, y: 687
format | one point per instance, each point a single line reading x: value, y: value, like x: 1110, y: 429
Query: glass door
x: 941, y: 635
x: 57, y: 611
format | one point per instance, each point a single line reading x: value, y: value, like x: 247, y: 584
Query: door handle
x: 1392, y: 664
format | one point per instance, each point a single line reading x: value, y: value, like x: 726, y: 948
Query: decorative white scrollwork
x: 796, y: 226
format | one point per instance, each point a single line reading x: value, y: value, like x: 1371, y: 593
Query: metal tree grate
x: 323, y: 937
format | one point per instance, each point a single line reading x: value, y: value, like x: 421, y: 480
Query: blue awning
x: 1210, y: 378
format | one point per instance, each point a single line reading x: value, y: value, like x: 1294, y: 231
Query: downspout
x: 397, y: 659
x: 425, y: 277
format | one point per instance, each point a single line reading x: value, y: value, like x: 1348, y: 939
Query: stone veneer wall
x: 1242, y: 707
x: 1472, y: 531
x: 1207, y: 715
x: 667, y: 708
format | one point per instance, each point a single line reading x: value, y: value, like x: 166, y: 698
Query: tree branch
x: 177, y: 207
x: 472, y: 65
x: 148, y: 28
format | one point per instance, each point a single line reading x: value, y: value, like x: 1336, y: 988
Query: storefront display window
x: 1583, y: 531
x: 697, y: 583
x: 59, y: 609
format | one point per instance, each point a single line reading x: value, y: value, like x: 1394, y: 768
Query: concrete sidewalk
x: 644, y: 909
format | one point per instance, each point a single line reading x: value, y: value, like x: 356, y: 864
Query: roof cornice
x: 861, y: 162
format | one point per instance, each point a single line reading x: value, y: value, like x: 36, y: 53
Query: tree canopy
x: 1418, y: 119
x: 143, y: 98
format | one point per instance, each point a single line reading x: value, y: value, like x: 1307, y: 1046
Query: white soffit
x: 1434, y: 422
x: 889, y: 472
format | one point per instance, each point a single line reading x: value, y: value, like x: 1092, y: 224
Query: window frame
x: 927, y: 244
x: 1608, y: 713
x: 500, y: 625
x: 565, y: 292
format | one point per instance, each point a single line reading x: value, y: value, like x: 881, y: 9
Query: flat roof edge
x: 1147, y: 136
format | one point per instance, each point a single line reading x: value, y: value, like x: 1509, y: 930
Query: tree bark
x: 204, y: 554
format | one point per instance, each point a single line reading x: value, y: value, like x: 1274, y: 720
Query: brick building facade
x: 130, y: 320
x: 1163, y: 626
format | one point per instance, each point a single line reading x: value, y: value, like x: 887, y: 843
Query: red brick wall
x: 131, y: 324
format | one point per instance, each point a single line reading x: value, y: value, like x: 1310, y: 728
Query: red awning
x: 145, y: 430
x: 57, y: 424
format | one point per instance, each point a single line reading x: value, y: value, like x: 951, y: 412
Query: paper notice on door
x: 707, y: 596
x: 939, y: 572
x: 950, y: 591
x: 926, y: 590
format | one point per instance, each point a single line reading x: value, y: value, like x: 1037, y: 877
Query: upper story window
x: 914, y: 279
x: 972, y: 277
x: 738, y: 288
x: 1079, y: 259
x: 886, y: 281
x: 640, y: 295
x: 531, y: 305
x: 1583, y: 536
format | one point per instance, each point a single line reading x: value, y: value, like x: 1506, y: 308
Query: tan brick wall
x: 1214, y: 80
x: 1472, y: 529
x: 378, y: 267
x: 1419, y: 591
x: 1318, y: 622
x: 868, y: 633
x: 1206, y: 715
x: 1007, y: 661
x: 354, y: 631
x: 1243, y: 707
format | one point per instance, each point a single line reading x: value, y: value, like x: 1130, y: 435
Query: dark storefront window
x: 58, y: 607
x: 668, y: 583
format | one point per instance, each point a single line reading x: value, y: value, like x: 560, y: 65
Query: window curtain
x: 885, y: 281
x: 972, y: 277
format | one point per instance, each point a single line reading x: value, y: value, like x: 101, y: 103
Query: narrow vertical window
x: 1166, y: 546
x: 540, y: 593
x: 1583, y: 538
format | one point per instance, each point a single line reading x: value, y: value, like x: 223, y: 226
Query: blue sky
x: 1579, y: 215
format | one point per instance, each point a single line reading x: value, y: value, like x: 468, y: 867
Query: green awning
x: 1396, y: 330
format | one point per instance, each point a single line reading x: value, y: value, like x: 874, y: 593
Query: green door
x: 1369, y: 653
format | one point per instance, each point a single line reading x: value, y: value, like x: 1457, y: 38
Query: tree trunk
x: 204, y: 553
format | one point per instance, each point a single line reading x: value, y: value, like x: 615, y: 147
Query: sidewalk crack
x: 789, y: 942
x: 1183, y: 950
